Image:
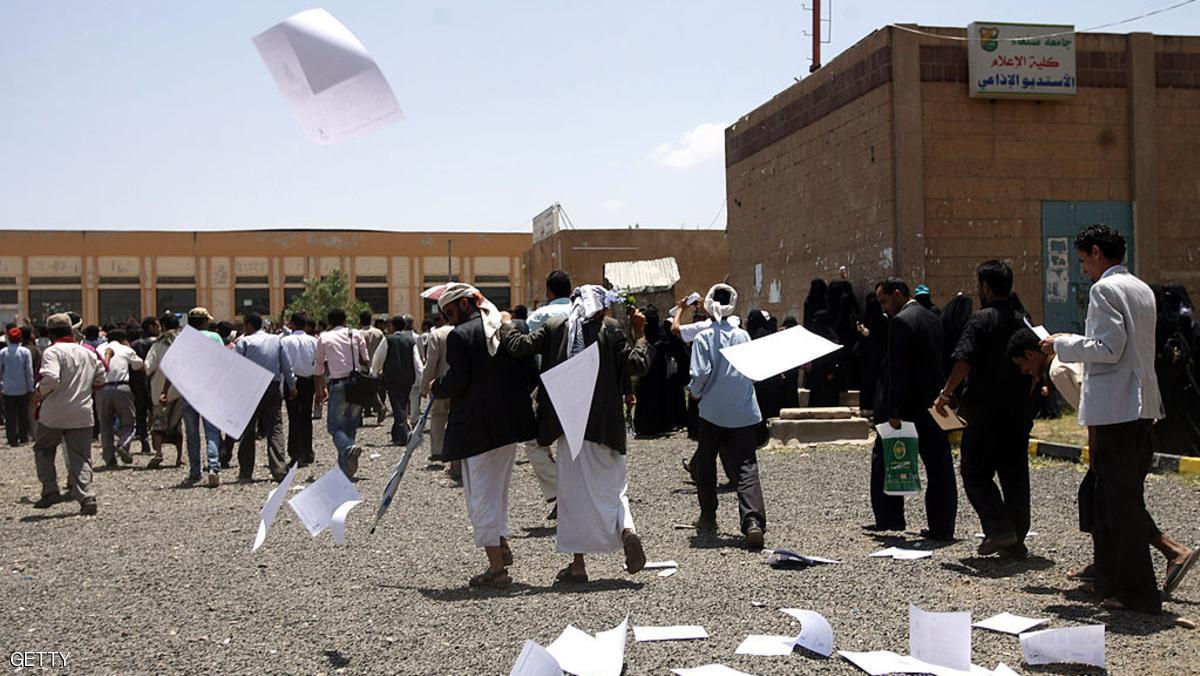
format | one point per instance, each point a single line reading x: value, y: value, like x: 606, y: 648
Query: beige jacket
x: 69, y: 374
x: 435, y: 357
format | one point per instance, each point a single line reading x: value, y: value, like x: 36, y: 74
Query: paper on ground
x: 655, y: 565
x: 1073, y: 645
x: 902, y: 554
x: 535, y: 661
x: 582, y: 654
x: 668, y: 572
x: 332, y: 85
x: 1007, y: 623
x: 1030, y: 534
x: 759, y: 644
x: 570, y: 386
x: 222, y: 385
x: 784, y: 556
x: 778, y: 352
x: 709, y: 670
x: 940, y: 638
x: 270, y: 508
x: 1039, y: 330
x: 325, y: 503
x: 678, y: 633
x: 815, y: 633
x: 882, y: 662
x: 1003, y: 669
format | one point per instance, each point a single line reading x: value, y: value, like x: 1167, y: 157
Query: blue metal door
x: 1065, y: 289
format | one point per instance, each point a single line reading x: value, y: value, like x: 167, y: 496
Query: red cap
x: 14, y: 333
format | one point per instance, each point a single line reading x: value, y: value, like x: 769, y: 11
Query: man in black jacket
x: 394, y: 358
x: 910, y: 377
x: 490, y: 413
x: 593, y: 506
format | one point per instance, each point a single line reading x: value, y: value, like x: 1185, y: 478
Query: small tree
x: 325, y: 293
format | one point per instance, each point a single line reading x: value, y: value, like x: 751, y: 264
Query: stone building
x: 113, y: 276
x: 883, y: 162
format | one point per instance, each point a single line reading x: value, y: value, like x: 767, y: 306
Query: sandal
x: 491, y: 578
x: 1176, y: 571
x: 565, y: 575
x: 507, y: 554
x: 1087, y: 574
x: 635, y: 556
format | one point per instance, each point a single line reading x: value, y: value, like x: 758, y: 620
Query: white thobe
x: 593, y: 501
x: 486, y: 478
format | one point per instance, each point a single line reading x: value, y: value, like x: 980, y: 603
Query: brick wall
x: 1177, y: 99
x: 808, y: 193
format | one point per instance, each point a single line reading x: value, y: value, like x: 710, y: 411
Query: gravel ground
x: 162, y: 580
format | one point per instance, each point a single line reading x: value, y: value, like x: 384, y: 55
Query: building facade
x: 881, y: 161
x: 115, y: 276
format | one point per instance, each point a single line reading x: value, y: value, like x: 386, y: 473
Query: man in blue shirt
x: 729, y: 415
x: 16, y: 381
x: 266, y: 350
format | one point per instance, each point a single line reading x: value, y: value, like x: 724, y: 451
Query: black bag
x: 362, y: 389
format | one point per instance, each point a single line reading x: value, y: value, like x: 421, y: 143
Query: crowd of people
x: 1131, y: 375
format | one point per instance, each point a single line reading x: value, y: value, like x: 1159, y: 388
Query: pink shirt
x: 338, y: 351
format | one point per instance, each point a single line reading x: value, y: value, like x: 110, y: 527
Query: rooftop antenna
x: 819, y: 34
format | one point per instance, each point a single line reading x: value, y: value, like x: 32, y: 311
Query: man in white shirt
x: 1120, y: 401
x: 301, y: 350
x: 114, y: 403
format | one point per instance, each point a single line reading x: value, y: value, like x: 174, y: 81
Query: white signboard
x: 1009, y: 60
x: 545, y: 224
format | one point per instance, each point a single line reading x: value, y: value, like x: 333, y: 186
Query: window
x: 120, y: 306
x: 8, y: 296
x: 252, y: 300
x: 175, y: 300
x: 501, y: 296
x: 45, y: 302
x: 291, y: 293
x: 376, y: 297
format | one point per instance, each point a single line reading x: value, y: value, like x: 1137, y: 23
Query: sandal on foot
x: 491, y: 578
x: 1176, y: 571
x: 635, y: 556
x: 506, y: 553
x: 565, y: 575
x: 1087, y: 574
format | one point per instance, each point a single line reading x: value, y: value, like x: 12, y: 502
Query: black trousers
x: 398, y: 394
x: 268, y: 420
x: 739, y: 442
x: 300, y: 428
x: 1121, y: 457
x: 941, y: 492
x: 141, y: 408
x: 997, y: 450
x: 1087, y: 507
x: 16, y: 418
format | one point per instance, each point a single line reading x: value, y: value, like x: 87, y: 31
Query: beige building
x: 115, y: 276
x: 883, y: 162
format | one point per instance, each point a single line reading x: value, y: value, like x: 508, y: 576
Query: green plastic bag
x: 901, y: 475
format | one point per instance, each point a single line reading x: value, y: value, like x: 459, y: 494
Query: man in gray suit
x: 394, y: 358
x: 1119, y: 402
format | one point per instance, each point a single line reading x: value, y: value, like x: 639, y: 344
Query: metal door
x: 1065, y: 289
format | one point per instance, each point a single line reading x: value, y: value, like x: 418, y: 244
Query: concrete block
x: 819, y: 413
x: 820, y: 431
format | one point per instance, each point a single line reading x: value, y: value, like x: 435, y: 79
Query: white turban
x: 491, y: 316
x: 586, y: 301
x: 715, y: 309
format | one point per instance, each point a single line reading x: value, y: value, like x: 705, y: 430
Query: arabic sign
x: 1021, y: 60
x: 545, y: 223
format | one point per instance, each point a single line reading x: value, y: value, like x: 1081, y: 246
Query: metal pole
x: 816, y: 36
x: 449, y: 261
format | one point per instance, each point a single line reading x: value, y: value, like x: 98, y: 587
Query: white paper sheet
x: 881, y: 662
x: 266, y: 515
x: 535, y: 661
x: 658, y: 565
x: 815, y: 632
x: 1007, y: 623
x: 582, y: 654
x: 325, y: 503
x: 940, y: 638
x: 677, y: 633
x: 778, y: 352
x: 710, y: 670
x: 1003, y: 669
x: 951, y: 422
x: 902, y: 554
x: 693, y: 297
x: 1039, y: 330
x: 332, y: 85
x: 337, y: 525
x: 570, y: 386
x: 668, y: 572
x: 221, y: 384
x: 1073, y: 645
x: 759, y: 644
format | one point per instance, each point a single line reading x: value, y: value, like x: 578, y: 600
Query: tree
x: 325, y: 293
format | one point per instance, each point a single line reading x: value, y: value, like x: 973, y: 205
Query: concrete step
x: 847, y: 398
x: 820, y: 430
x: 819, y: 413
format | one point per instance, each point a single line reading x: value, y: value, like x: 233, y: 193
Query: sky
x: 134, y: 115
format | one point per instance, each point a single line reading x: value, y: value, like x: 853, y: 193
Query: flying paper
x: 582, y: 654
x: 1007, y: 623
x: 325, y: 503
x: 221, y: 384
x: 679, y: 633
x: 815, y: 633
x: 778, y: 352
x: 535, y: 661
x: 271, y: 507
x: 570, y: 386
x: 940, y: 638
x: 1073, y: 645
x: 334, y: 88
